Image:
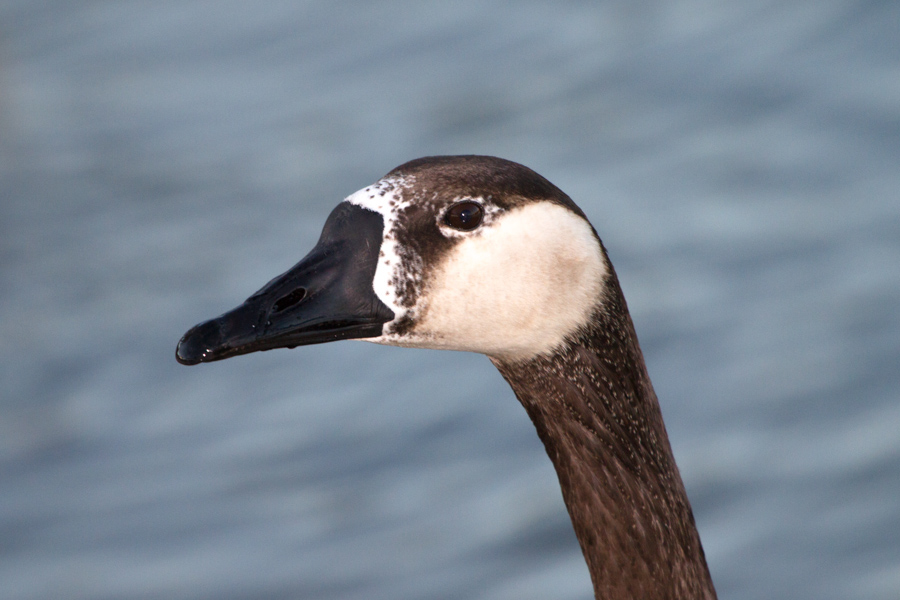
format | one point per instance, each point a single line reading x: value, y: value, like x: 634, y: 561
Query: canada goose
x: 482, y: 254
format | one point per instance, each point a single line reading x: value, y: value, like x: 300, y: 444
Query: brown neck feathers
x: 596, y: 412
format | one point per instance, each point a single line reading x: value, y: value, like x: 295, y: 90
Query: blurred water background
x: 160, y: 161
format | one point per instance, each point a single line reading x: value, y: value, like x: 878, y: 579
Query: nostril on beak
x: 290, y: 300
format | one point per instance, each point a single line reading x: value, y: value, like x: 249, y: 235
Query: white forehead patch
x: 516, y: 290
x: 386, y: 197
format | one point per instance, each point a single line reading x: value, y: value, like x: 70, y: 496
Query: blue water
x: 161, y: 161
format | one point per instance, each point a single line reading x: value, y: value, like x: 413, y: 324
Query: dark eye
x: 464, y: 216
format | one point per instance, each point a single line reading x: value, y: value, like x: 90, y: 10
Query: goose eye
x: 464, y: 216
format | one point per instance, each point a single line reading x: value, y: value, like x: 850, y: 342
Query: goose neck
x: 596, y: 412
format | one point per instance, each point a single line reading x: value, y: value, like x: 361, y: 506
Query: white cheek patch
x: 516, y: 290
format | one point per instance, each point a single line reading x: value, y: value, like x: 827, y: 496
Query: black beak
x: 327, y: 296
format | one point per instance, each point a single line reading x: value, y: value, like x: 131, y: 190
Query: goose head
x: 467, y: 253
x: 480, y: 254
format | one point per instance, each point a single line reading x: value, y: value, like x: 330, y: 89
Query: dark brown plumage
x: 596, y: 412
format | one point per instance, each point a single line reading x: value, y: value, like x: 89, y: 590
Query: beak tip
x: 194, y: 346
x: 185, y: 358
